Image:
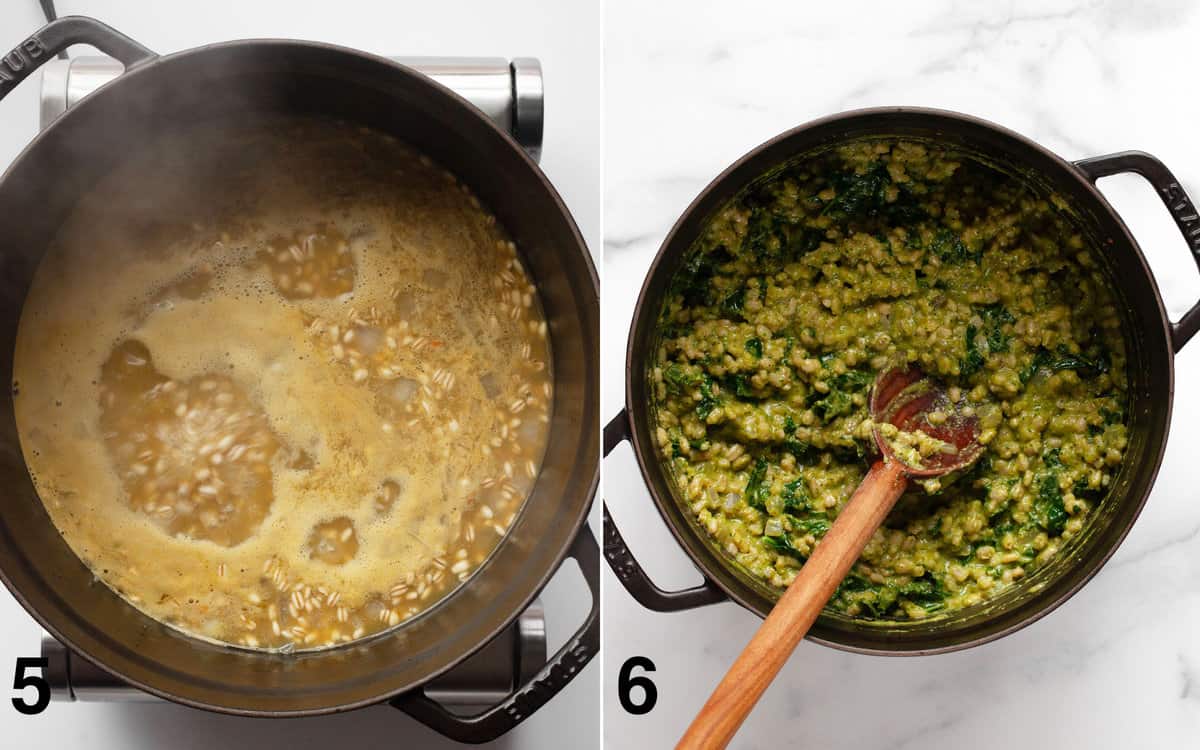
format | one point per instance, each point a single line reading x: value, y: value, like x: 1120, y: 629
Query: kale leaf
x: 865, y: 196
x: 692, y: 281
x: 733, y: 307
x: 757, y: 489
x: 926, y: 592
x: 775, y: 237
x: 677, y: 379
x: 994, y: 317
x: 1053, y: 459
x: 802, y: 241
x: 754, y: 346
x: 795, y: 497
x: 789, y: 343
x: 876, y: 599
x: 883, y: 602
x: 765, y: 237
x: 833, y: 405
x: 853, y: 380
x: 816, y: 524
x: 1048, y: 509
x: 1063, y: 359
x: 857, y: 194
x: 840, y: 398
x: 972, y: 361
x: 798, y: 448
x: 1081, y: 489
x: 708, y: 401
x: 782, y: 545
x: 950, y: 248
x: 853, y: 582
x: 738, y: 383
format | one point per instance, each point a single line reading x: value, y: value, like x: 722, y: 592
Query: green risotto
x: 837, y: 266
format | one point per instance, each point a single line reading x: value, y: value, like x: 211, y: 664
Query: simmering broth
x: 282, y: 384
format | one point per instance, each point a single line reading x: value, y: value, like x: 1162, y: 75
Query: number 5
x: 22, y: 681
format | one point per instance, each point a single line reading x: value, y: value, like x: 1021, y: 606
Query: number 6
x: 626, y: 683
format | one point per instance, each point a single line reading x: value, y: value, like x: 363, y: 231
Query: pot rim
x: 132, y: 76
x: 646, y: 456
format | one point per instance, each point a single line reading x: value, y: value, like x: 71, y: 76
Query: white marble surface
x: 566, y: 37
x: 690, y: 87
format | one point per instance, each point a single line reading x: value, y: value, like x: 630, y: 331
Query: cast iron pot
x: 1153, y: 341
x: 158, y: 94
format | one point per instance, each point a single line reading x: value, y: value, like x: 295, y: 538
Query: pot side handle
x: 568, y: 662
x: 1183, y: 211
x: 626, y: 567
x: 55, y: 37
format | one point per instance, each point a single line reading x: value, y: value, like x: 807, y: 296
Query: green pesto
x: 808, y: 284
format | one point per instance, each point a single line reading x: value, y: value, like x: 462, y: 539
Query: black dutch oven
x: 1152, y: 342
x: 159, y: 94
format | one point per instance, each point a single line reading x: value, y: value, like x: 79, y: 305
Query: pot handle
x: 626, y: 566
x: 55, y: 37
x: 566, y: 663
x: 1183, y: 211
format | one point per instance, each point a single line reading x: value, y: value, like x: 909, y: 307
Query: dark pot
x: 1152, y: 346
x: 159, y: 94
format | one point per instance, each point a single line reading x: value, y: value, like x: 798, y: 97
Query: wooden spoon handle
x: 796, y: 610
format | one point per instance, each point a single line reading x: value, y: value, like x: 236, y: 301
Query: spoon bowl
x: 912, y: 402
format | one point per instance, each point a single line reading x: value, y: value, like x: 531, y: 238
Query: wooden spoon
x: 903, y: 397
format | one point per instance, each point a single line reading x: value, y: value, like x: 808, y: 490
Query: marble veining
x: 690, y: 87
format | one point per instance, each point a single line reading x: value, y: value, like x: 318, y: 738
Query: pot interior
x: 1149, y: 357
x: 237, y: 80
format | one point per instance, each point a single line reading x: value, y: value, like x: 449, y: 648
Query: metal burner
x: 507, y: 91
x: 510, y: 660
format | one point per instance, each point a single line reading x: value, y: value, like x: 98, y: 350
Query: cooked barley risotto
x: 283, y: 384
x: 819, y: 276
